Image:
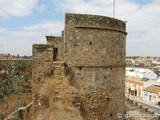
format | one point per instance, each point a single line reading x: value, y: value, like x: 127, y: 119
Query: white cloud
x: 81, y: 6
x: 2, y: 14
x: 42, y: 7
x: 17, y: 7
x: 21, y: 7
x: 46, y: 27
x: 103, y: 7
x: 21, y: 41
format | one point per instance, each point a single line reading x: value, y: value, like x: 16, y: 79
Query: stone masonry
x: 80, y: 75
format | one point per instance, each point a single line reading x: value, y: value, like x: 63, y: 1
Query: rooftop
x: 135, y: 80
x: 153, y: 89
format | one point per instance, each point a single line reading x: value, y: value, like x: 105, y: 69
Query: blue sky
x: 25, y: 22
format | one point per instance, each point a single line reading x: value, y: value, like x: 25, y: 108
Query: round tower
x: 94, y: 53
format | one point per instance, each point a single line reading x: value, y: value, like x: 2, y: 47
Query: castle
x: 81, y: 74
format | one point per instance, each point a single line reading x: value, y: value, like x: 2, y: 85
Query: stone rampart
x: 93, y: 62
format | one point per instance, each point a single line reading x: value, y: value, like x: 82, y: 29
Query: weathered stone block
x: 92, y: 49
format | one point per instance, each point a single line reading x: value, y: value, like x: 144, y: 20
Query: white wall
x: 140, y: 72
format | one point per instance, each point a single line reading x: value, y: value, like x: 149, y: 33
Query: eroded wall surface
x: 58, y: 43
x: 42, y: 62
x: 95, y: 55
x: 89, y: 81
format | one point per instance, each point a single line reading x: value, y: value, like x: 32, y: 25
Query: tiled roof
x: 153, y: 89
x: 135, y: 80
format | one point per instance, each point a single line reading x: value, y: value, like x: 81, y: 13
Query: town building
x: 141, y: 86
x: 151, y: 95
x: 134, y: 88
x: 5, y: 56
x: 141, y: 72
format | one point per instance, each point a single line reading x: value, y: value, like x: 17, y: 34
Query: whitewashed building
x: 151, y: 95
x: 140, y: 72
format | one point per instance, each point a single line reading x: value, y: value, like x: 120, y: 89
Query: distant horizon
x: 126, y: 56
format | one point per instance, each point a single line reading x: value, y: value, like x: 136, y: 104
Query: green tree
x: 14, y: 73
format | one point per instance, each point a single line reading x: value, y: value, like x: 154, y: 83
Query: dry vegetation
x: 8, y: 106
x: 60, y: 99
x: 59, y: 92
x: 9, y: 73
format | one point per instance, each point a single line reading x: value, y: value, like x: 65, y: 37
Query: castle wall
x: 57, y: 41
x: 94, y: 40
x: 101, y: 91
x: 95, y: 56
x: 94, y: 62
x: 42, y: 70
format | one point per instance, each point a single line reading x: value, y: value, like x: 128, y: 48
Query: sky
x: 27, y: 22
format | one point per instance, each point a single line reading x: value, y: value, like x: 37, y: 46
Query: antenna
x: 114, y: 5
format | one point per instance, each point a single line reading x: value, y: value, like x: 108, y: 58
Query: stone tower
x: 91, y: 54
